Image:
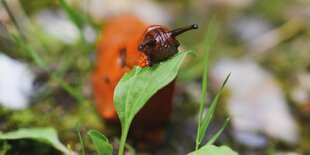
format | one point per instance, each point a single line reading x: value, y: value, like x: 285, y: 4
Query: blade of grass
x: 19, y: 41
x: 10, y: 13
x: 73, y: 14
x: 76, y: 17
x: 216, y: 136
x: 208, y: 42
x: 209, y: 115
x: 77, y: 127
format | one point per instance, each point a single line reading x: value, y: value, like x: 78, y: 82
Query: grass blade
x: 208, y: 43
x: 19, y: 41
x: 216, y: 136
x: 77, y: 127
x: 209, y: 115
x: 73, y: 15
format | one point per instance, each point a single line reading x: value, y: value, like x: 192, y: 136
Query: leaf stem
x: 123, y: 139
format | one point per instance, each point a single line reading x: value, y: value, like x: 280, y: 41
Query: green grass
x: 204, y: 121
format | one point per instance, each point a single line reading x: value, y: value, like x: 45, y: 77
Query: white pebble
x: 16, y: 83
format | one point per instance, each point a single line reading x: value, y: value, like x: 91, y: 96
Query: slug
x: 127, y: 41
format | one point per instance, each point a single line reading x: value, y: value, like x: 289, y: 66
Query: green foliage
x: 45, y: 135
x: 199, y: 67
x: 214, y: 150
x: 77, y: 126
x: 137, y: 87
x: 215, y: 137
x: 204, y: 121
x: 31, y: 8
x: 35, y: 57
x: 102, y: 145
x: 5, y: 148
x: 75, y: 16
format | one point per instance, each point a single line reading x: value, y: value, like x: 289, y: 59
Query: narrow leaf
x: 208, y: 43
x: 209, y: 115
x: 32, y: 54
x: 102, y: 145
x: 80, y: 137
x: 44, y: 135
x: 73, y: 14
x: 214, y: 150
x: 216, y: 136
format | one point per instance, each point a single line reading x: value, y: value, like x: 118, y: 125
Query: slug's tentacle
x: 181, y: 30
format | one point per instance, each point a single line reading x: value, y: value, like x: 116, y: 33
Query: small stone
x: 16, y: 83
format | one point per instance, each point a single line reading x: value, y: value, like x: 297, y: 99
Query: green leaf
x: 138, y: 86
x: 102, y: 145
x: 44, y: 135
x: 214, y: 150
x: 73, y: 14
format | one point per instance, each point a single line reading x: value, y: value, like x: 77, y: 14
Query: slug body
x: 126, y: 41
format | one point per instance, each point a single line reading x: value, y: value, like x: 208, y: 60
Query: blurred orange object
x: 118, y: 53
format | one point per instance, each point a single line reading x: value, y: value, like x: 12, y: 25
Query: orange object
x: 118, y: 51
x: 116, y: 54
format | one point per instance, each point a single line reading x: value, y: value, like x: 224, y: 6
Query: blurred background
x: 47, y: 54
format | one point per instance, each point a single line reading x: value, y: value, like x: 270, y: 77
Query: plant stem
x: 123, y: 138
